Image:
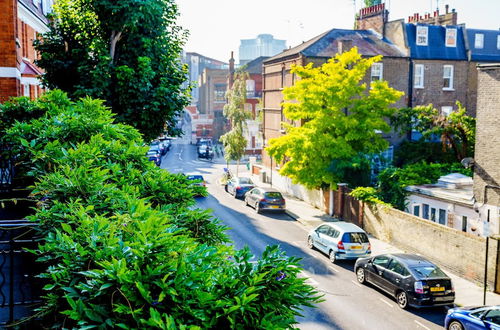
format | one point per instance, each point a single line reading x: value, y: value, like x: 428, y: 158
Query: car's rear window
x: 355, y: 238
x: 246, y: 181
x: 273, y: 194
x: 195, y: 177
x: 428, y: 271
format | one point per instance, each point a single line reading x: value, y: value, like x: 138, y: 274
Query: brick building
x: 212, y: 98
x: 393, y: 68
x: 487, y: 151
x: 20, y: 23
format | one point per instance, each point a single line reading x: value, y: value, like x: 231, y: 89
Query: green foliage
x: 234, y: 141
x: 457, y: 130
x: 392, y: 181
x: 124, y: 52
x: 369, y: 3
x: 367, y: 194
x: 411, y: 152
x: 340, y: 116
x: 124, y: 245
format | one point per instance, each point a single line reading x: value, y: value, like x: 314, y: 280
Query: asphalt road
x: 347, y: 305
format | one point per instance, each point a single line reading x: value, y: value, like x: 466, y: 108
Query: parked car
x: 340, y: 240
x: 265, y: 199
x: 154, y: 155
x: 205, y: 151
x: 198, y: 181
x: 411, y: 279
x: 239, y: 186
x: 466, y: 318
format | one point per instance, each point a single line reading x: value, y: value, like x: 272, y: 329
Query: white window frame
x: 380, y: 74
x: 422, y: 32
x: 414, y: 206
x: 450, y: 77
x: 26, y: 90
x: 451, y: 37
x: 418, y: 77
x: 446, y: 110
x: 479, y: 41
x: 498, y: 41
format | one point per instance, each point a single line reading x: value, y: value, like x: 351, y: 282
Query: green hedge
x: 124, y: 245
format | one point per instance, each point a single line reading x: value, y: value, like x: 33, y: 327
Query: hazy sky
x: 216, y: 26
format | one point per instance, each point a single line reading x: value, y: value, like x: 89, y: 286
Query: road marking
x: 386, y: 302
x: 334, y: 269
x: 420, y: 324
x: 356, y: 283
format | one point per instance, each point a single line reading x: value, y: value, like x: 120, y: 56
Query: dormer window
x: 479, y: 40
x: 498, y: 41
x: 451, y: 37
x: 422, y: 35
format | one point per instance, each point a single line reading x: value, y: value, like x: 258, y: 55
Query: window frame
x: 426, y: 211
x: 446, y: 110
x: 449, y: 36
x: 377, y: 66
x: 422, y: 31
x: 444, y: 213
x: 417, y: 68
x: 479, y: 42
x: 498, y: 41
x: 450, y: 78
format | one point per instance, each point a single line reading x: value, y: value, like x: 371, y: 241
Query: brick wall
x: 460, y: 252
x: 9, y: 87
x: 372, y: 18
x: 487, y: 152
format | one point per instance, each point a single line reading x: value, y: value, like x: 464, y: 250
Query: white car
x: 340, y: 240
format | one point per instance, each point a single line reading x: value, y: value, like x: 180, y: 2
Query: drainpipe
x: 410, y: 91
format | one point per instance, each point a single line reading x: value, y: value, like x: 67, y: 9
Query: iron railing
x: 20, y: 289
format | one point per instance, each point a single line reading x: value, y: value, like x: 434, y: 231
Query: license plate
x: 437, y: 289
x: 275, y: 207
x: 355, y: 247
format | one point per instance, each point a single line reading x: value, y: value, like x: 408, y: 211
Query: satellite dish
x: 467, y: 162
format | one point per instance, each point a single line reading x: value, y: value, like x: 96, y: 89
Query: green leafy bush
x: 367, y: 194
x: 123, y: 244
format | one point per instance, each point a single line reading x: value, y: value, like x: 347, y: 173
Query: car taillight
x: 263, y: 200
x: 369, y: 248
x: 452, y: 287
x: 419, y: 287
x: 238, y: 188
x: 340, y: 245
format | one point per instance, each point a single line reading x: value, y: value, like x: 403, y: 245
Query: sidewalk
x: 467, y: 292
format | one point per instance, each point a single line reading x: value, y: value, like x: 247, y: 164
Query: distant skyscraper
x: 263, y: 45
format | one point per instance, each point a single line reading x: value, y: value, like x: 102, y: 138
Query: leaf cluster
x: 123, y: 244
x: 340, y: 118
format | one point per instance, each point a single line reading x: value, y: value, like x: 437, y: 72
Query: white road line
x: 334, y: 269
x: 356, y: 283
x: 420, y: 324
x: 386, y: 302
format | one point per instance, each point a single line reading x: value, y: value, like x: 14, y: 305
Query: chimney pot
x: 446, y: 7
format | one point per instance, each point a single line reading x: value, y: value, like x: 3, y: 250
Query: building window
x: 479, y: 40
x: 498, y: 41
x: 425, y: 211
x: 250, y: 85
x: 433, y: 214
x: 220, y: 93
x: 445, y: 111
x: 26, y: 90
x: 442, y: 217
x: 377, y: 71
x: 416, y: 210
x: 451, y: 37
x: 448, y: 77
x: 422, y: 35
x: 464, y: 223
x: 283, y: 72
x: 419, y: 76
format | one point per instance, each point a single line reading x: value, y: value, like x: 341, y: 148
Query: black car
x: 265, y: 199
x: 411, y: 279
x: 239, y: 186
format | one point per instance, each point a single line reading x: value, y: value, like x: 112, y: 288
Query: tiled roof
x: 368, y: 43
x: 491, y: 45
x: 436, y: 48
x: 255, y: 65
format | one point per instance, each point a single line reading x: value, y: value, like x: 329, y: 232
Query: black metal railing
x: 20, y: 289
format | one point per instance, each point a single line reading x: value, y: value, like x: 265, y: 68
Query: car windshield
x: 273, y: 194
x: 355, y: 238
x: 428, y: 271
x: 246, y: 181
x: 151, y: 153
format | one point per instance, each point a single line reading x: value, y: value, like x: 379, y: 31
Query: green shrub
x: 367, y: 194
x: 123, y: 243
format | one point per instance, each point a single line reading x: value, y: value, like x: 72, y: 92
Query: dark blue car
x: 466, y: 318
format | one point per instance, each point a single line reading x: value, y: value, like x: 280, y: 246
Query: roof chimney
x: 446, y: 7
x: 231, y: 71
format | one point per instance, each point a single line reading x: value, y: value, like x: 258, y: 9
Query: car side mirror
x: 370, y: 261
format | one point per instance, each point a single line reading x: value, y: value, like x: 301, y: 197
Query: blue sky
x: 216, y: 26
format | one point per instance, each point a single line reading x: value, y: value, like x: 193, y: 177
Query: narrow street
x: 347, y: 305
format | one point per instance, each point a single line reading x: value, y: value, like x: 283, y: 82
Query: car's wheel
x: 257, y: 208
x: 455, y: 325
x: 332, y: 256
x: 402, y: 299
x: 246, y: 202
x: 360, y: 275
x: 310, y: 242
x: 225, y: 188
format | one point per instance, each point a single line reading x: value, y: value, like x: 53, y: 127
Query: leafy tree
x: 125, y: 52
x: 411, y: 152
x: 234, y: 141
x: 340, y: 117
x: 456, y: 131
x: 123, y: 244
x: 369, y: 3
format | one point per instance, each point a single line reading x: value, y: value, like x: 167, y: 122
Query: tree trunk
x: 115, y: 37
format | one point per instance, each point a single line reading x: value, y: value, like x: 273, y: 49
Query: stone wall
x: 460, y: 252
